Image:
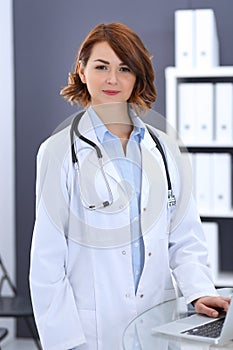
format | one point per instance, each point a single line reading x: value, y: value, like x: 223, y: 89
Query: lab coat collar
x: 86, y: 129
x: 101, y: 130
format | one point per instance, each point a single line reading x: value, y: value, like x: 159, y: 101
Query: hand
x: 211, y: 305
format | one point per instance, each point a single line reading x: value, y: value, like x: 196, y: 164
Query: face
x: 108, y: 79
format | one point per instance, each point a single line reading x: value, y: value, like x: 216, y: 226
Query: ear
x: 81, y: 72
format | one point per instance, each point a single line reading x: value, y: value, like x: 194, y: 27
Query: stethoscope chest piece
x: 90, y: 205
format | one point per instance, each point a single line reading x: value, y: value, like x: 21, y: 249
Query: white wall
x: 7, y: 162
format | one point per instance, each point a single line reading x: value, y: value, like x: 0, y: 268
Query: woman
x: 105, y: 239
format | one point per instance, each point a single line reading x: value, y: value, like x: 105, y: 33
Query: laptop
x: 201, y: 328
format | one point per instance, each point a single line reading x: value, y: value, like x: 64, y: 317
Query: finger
x: 215, y: 301
x: 219, y: 302
x: 211, y: 305
x: 209, y: 311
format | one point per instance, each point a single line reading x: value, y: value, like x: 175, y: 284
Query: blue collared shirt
x: 129, y: 168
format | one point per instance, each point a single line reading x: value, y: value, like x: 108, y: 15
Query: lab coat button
x: 123, y: 252
x: 141, y: 295
x: 149, y: 254
x: 127, y: 295
x: 144, y: 209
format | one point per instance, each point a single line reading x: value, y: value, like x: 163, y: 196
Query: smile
x: 111, y: 92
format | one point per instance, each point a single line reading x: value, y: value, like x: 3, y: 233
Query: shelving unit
x: 174, y: 76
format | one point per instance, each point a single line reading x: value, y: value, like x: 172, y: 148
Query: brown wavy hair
x: 130, y: 49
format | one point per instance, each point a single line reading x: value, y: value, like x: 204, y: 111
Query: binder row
x: 205, y: 112
x: 196, y: 39
x: 212, y: 182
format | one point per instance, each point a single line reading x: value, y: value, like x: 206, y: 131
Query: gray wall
x: 47, y: 36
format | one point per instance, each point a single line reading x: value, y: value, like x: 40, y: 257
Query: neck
x: 116, y: 118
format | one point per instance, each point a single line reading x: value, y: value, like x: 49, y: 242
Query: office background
x: 47, y: 34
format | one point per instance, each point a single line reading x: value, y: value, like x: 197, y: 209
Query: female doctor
x: 108, y: 242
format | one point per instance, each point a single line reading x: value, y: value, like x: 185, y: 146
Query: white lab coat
x: 81, y: 275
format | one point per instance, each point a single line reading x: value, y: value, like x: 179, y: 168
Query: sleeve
x: 188, y: 256
x: 54, y: 307
x: 187, y: 244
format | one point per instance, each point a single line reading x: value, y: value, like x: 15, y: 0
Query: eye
x: 101, y: 67
x: 125, y: 69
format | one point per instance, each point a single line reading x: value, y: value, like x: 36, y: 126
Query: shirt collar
x: 102, y: 132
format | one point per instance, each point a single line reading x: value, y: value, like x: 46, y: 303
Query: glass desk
x: 159, y: 315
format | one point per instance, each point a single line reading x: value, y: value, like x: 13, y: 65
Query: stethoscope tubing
x: 75, y: 131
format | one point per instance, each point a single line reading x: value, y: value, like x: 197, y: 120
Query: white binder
x: 212, y: 240
x: 186, y: 113
x: 196, y: 113
x: 204, y: 110
x: 207, y: 46
x: 224, y: 112
x: 184, y: 38
x: 222, y: 192
x: 204, y: 183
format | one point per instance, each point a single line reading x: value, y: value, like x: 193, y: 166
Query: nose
x: 112, y: 78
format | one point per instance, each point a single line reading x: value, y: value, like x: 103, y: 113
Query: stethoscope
x: 75, y: 131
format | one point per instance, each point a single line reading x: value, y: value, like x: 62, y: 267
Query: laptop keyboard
x: 210, y: 330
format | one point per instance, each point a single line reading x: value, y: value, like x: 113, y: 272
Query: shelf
x: 176, y: 75
x: 214, y: 72
x: 224, y: 214
x: 209, y: 145
x: 224, y: 279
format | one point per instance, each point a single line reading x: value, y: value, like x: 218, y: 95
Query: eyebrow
x: 106, y: 62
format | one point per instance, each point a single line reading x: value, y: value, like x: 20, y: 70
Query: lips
x: 111, y: 92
